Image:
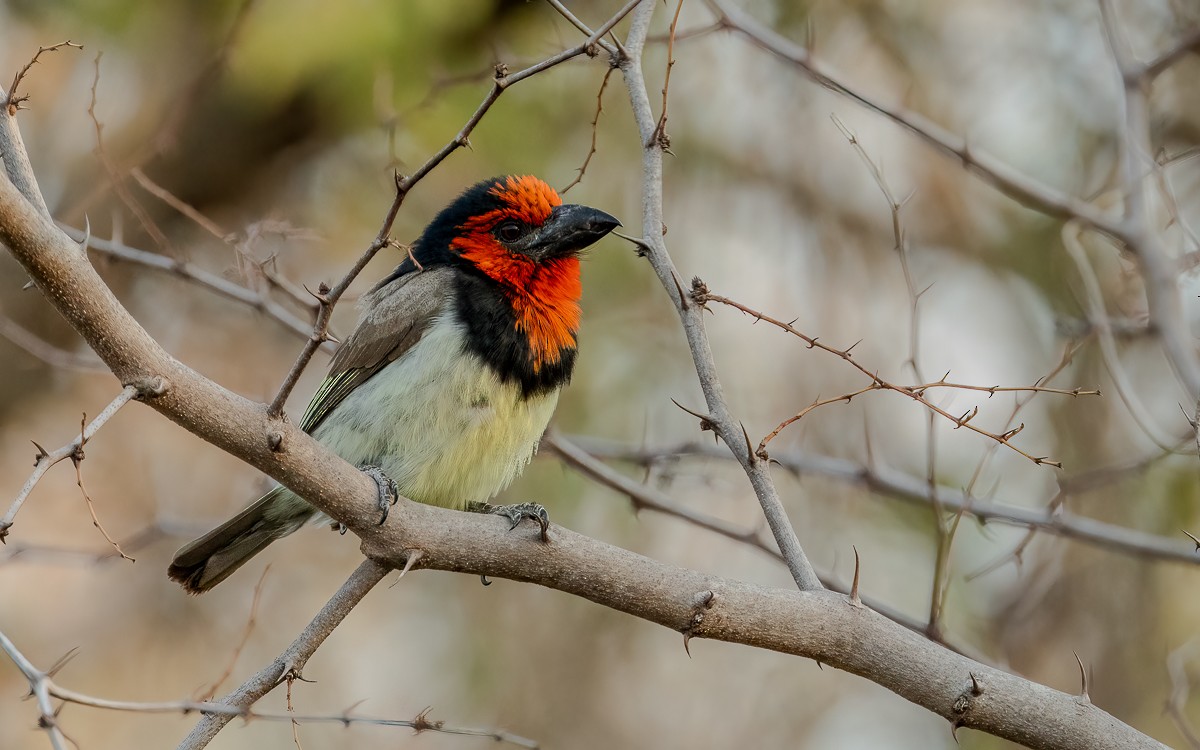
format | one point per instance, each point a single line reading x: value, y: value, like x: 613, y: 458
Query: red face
x: 544, y: 289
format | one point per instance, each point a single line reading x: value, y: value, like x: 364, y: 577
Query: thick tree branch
x: 819, y: 625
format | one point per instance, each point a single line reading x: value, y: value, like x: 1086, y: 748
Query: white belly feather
x: 439, y: 422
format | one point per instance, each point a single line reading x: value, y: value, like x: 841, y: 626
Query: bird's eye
x: 509, y: 231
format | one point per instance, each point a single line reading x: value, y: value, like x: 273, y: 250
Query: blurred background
x: 281, y: 124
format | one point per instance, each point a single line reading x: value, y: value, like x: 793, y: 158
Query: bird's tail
x: 203, y: 563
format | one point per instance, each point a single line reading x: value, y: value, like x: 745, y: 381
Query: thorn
x: 847, y: 350
x: 966, y: 417
x: 411, y: 557
x: 42, y: 453
x: 706, y: 423
x: 484, y: 580
x: 1187, y: 416
x: 319, y: 295
x: 62, y: 662
x: 975, y: 688
x: 954, y: 731
x: 1083, y: 678
x: 297, y: 675
x: 643, y: 247
x: 687, y: 637
x: 751, y: 456
x: 87, y: 234
x: 683, y: 298
x: 1005, y: 437
x: 855, y: 601
x: 1193, y: 538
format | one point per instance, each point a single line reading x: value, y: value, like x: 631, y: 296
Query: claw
x: 516, y: 514
x: 389, y: 495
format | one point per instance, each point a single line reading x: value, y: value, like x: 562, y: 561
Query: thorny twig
x: 595, y: 126
x: 916, y: 392
x: 211, y: 690
x: 115, y: 178
x: 660, y: 130
x: 257, y: 300
x: 691, y: 316
x: 77, y: 459
x: 45, y: 689
x: 902, y: 486
x: 14, y: 100
x: 73, y: 450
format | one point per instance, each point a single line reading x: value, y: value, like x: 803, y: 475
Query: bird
x: 445, y: 386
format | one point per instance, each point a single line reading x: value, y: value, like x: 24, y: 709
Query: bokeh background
x: 285, y: 134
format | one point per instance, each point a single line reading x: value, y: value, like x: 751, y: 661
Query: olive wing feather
x: 395, y: 316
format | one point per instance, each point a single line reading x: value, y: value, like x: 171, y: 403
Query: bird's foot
x: 516, y: 514
x: 389, y: 495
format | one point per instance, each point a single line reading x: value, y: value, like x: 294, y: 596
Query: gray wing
x: 393, y: 320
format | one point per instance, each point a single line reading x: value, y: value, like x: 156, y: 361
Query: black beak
x: 570, y: 229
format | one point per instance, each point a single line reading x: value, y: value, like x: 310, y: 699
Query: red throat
x: 544, y: 296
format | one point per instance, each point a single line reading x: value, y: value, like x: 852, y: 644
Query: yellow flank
x: 439, y: 422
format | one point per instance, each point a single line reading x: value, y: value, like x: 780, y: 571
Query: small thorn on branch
x: 966, y: 417
x: 1195, y: 541
x: 411, y: 558
x: 706, y: 422
x: 1083, y: 695
x: 855, y: 599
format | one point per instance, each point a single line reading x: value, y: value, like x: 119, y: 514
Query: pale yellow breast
x: 440, y: 423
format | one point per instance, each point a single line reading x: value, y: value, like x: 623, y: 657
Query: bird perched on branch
x: 443, y: 390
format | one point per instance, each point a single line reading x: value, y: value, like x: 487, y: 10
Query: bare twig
x: 902, y: 486
x: 45, y: 459
x: 13, y: 100
x: 42, y: 683
x: 115, y: 178
x: 47, y: 352
x: 291, y: 661
x: 77, y: 459
x: 660, y: 130
x: 259, y: 301
x: 39, y: 688
x: 1098, y: 317
x: 246, y: 632
x: 595, y: 126
x: 1138, y: 236
x: 169, y: 198
x: 608, y: 47
x: 1021, y: 188
x: 691, y: 316
x: 915, y: 392
x: 12, y: 148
